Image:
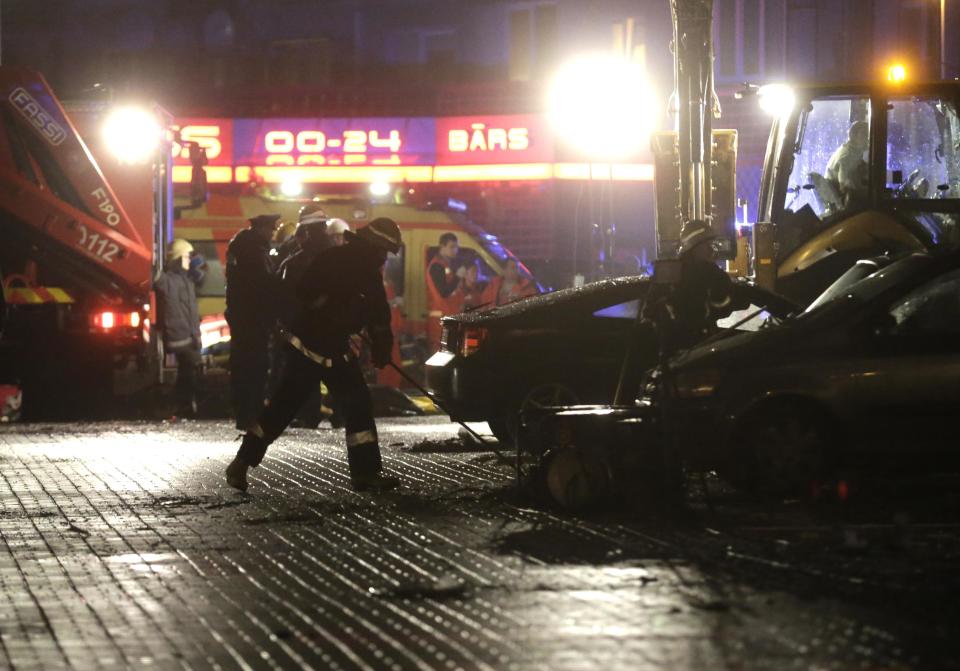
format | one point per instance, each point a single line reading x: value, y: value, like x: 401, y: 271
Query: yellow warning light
x: 897, y: 73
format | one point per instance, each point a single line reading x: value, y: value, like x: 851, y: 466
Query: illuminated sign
x: 512, y: 138
x: 214, y: 135
x: 518, y: 147
x: 333, y: 142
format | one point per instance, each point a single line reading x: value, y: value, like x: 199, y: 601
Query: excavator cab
x: 856, y: 171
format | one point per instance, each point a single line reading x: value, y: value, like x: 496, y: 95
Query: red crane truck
x: 80, y: 243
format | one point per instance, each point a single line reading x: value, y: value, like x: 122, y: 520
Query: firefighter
x: 178, y: 319
x: 253, y: 292
x: 443, y: 286
x: 510, y: 286
x: 336, y: 230
x: 686, y: 312
x: 311, y: 214
x: 342, y: 291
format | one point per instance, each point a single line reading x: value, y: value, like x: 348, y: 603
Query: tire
x: 781, y: 451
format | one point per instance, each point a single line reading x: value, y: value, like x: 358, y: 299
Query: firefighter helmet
x: 693, y: 234
x: 312, y: 213
x: 178, y: 248
x: 381, y: 232
x: 265, y: 220
x: 337, y: 227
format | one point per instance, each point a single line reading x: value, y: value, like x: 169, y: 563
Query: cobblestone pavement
x: 121, y: 547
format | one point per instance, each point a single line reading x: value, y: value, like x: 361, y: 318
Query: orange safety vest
x: 521, y: 289
x: 438, y: 304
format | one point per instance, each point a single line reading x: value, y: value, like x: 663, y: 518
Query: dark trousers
x: 300, y: 378
x: 188, y: 360
x: 249, y: 362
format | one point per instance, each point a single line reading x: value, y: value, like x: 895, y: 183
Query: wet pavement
x: 121, y: 547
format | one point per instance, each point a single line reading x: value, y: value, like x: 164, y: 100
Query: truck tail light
x: 105, y: 320
x: 472, y: 339
x: 109, y: 320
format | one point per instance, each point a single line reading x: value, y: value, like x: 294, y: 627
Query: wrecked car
x: 562, y: 348
x: 867, y: 376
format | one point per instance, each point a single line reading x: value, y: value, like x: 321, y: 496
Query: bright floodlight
x: 291, y: 188
x: 603, y: 106
x: 379, y: 189
x: 132, y: 134
x: 777, y: 100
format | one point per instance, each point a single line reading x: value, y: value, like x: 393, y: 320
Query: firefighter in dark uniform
x: 686, y: 312
x: 312, y: 215
x: 312, y: 239
x: 342, y: 293
x: 252, y: 305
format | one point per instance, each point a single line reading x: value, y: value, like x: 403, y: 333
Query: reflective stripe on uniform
x: 361, y: 438
x: 435, y: 313
x: 307, y: 352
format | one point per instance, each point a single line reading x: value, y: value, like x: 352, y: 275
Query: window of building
x: 533, y: 41
x: 739, y: 39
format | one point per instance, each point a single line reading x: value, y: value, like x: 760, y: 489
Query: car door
x: 908, y: 384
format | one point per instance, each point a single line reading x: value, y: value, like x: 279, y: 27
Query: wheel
x: 782, y: 451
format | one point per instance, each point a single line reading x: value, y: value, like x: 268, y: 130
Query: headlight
x: 697, y: 383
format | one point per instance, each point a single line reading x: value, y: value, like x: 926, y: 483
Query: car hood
x: 772, y: 343
x: 534, y: 305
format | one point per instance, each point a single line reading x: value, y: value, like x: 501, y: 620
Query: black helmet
x: 693, y: 234
x: 311, y: 213
x: 264, y: 220
x: 382, y: 232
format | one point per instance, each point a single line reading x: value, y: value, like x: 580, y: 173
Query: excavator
x: 850, y: 172
x: 78, y: 254
x: 901, y: 191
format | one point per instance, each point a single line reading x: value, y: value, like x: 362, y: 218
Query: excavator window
x: 830, y: 167
x: 923, y: 157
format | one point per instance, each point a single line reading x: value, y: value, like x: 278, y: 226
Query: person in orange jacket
x: 443, y: 286
x: 473, y: 288
x: 510, y: 286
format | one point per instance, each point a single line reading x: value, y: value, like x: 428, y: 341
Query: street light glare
x: 291, y: 188
x: 777, y: 100
x: 603, y: 106
x: 379, y: 189
x: 132, y: 134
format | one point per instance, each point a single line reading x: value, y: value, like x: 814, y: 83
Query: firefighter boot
x: 237, y: 474
x: 251, y: 452
x: 374, y: 482
x: 366, y: 465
